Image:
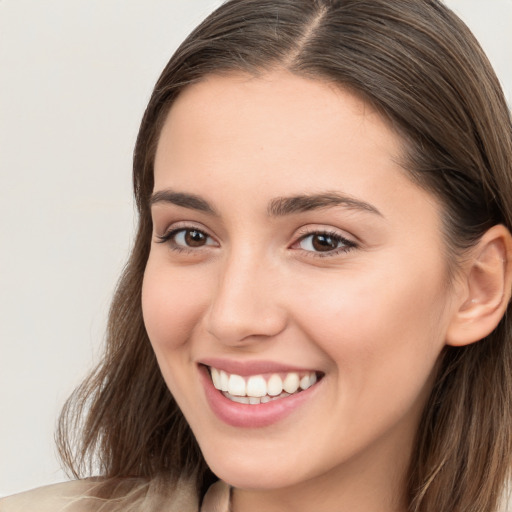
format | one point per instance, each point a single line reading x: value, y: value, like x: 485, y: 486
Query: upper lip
x: 247, y: 368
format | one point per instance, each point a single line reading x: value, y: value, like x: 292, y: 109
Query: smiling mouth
x: 263, y: 388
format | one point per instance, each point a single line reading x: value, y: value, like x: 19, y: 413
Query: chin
x: 256, y: 477
x: 252, y: 470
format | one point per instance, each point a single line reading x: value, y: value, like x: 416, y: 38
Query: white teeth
x: 236, y: 385
x: 291, y: 383
x: 274, y: 385
x: 240, y: 399
x: 256, y: 386
x: 216, y: 378
x: 224, y: 379
x: 255, y: 389
x: 253, y: 400
x: 307, y: 381
x: 304, y: 382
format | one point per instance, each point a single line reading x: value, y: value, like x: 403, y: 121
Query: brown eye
x: 187, y: 238
x: 321, y: 242
x: 325, y: 243
x: 194, y: 238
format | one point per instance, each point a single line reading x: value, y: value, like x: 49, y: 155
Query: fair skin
x: 354, y: 291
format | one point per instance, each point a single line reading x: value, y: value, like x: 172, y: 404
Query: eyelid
x: 176, y: 227
x: 183, y: 224
x: 173, y: 232
x: 326, y: 230
x: 348, y: 241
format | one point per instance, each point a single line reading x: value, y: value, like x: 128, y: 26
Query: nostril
x: 241, y: 311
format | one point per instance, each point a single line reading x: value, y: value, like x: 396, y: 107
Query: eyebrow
x: 289, y: 205
x: 190, y: 201
x: 278, y: 207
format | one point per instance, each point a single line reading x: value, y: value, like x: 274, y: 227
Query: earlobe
x: 488, y: 282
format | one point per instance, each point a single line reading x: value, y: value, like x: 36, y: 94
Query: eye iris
x: 324, y: 243
x: 194, y: 238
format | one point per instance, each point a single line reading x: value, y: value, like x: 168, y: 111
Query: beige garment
x: 73, y: 497
x: 217, y: 498
x: 79, y: 496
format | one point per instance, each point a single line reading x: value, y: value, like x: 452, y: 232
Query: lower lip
x: 251, y: 416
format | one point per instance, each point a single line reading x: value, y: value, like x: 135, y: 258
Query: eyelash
x: 347, y: 245
x: 169, y: 238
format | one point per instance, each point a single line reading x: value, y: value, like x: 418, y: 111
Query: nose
x: 245, y: 305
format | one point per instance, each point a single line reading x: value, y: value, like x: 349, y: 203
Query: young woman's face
x: 289, y: 246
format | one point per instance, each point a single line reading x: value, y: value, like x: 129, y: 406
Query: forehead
x: 275, y: 98
x: 279, y: 119
x: 240, y: 140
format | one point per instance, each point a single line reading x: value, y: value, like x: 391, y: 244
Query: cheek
x: 378, y: 327
x: 382, y: 344
x: 172, y: 304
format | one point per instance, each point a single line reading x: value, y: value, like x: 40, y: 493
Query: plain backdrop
x: 75, y: 76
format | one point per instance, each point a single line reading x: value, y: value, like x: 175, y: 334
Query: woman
x: 320, y: 277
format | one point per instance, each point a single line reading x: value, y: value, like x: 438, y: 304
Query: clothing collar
x: 217, y: 498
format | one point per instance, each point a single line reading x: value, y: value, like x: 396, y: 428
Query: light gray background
x: 75, y: 76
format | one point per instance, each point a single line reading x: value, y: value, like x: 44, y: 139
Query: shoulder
x: 90, y: 495
x: 51, y: 498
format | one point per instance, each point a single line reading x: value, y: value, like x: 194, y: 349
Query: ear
x: 487, y: 283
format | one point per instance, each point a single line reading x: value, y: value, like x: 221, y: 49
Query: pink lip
x: 251, y: 416
x: 247, y: 368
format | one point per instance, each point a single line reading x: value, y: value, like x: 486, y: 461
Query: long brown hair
x: 421, y: 67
